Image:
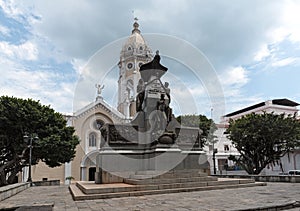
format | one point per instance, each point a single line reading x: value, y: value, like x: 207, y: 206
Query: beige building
x: 89, y: 119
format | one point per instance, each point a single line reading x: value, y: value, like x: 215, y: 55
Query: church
x: 87, y: 121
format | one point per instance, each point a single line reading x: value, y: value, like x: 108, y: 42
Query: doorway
x: 92, y: 171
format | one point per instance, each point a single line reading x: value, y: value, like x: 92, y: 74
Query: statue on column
x: 99, y: 91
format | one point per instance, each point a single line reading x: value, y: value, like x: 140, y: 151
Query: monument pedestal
x: 116, y: 165
x: 154, y: 140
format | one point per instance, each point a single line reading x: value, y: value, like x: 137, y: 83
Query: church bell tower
x: 134, y: 53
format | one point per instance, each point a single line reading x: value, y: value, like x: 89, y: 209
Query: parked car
x: 294, y: 172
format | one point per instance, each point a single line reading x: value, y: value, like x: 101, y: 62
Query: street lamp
x: 214, y: 151
x: 214, y: 159
x: 28, y: 140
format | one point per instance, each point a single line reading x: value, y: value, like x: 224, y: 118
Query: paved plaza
x: 273, y: 195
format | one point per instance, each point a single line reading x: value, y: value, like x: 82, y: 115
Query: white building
x: 225, y: 147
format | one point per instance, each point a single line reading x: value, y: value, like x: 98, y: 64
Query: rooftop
x: 283, y: 102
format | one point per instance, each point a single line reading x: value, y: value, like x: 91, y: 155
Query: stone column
x: 68, y: 168
x: 83, y: 174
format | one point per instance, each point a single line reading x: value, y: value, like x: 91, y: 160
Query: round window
x: 129, y: 65
x: 98, y: 124
x: 140, y: 64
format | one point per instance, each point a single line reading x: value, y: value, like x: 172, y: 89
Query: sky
x: 252, y: 46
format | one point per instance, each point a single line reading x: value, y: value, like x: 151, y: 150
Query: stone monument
x: 153, y: 141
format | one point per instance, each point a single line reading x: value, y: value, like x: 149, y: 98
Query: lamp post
x: 214, y: 159
x: 28, y: 140
x: 214, y: 151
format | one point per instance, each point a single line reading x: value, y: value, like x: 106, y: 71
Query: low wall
x: 266, y: 178
x: 46, y: 183
x: 10, y: 190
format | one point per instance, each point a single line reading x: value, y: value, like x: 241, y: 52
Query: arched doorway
x: 88, y: 166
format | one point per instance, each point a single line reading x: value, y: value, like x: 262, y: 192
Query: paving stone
x: 274, y: 194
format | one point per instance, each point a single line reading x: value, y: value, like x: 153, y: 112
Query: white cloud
x: 263, y: 52
x: 10, y: 8
x: 4, y: 30
x: 24, y: 51
x: 78, y: 65
x: 290, y: 19
x: 288, y: 25
x: 285, y: 62
x: 239, y: 34
x: 233, y: 79
x: 234, y: 76
x: 45, y: 86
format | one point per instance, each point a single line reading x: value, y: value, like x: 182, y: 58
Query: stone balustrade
x: 10, y: 190
x: 266, y: 178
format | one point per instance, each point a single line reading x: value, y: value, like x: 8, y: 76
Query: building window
x: 141, y: 48
x: 226, y: 148
x: 129, y: 48
x: 98, y: 124
x: 129, y: 65
x: 92, y: 140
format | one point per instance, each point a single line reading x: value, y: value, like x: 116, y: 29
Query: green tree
x: 56, y: 144
x: 207, y: 126
x: 262, y: 139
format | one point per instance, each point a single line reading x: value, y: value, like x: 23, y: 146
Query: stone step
x: 171, y: 174
x: 77, y: 194
x: 112, y: 188
x: 91, y: 188
x: 198, y: 171
x: 168, y: 180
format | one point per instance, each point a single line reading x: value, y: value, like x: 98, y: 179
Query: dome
x: 135, y: 38
x: 135, y: 42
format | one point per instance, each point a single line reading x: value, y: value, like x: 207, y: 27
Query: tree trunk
x: 3, y: 181
x: 13, y: 174
x: 3, y: 171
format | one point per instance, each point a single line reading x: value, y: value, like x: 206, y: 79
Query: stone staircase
x: 143, y: 184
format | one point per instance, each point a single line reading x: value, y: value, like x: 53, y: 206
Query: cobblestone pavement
x: 274, y: 194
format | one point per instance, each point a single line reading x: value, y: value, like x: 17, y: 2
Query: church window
x: 141, y: 48
x: 92, y: 140
x: 226, y: 148
x: 129, y: 65
x: 129, y: 48
x: 140, y: 64
x: 130, y: 89
x: 98, y: 124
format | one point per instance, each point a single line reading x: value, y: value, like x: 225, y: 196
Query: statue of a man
x: 99, y: 89
x: 167, y: 90
x: 140, y: 96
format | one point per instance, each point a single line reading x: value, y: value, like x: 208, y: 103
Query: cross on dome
x: 136, y: 26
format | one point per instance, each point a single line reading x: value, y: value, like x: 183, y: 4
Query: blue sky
x: 254, y: 47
